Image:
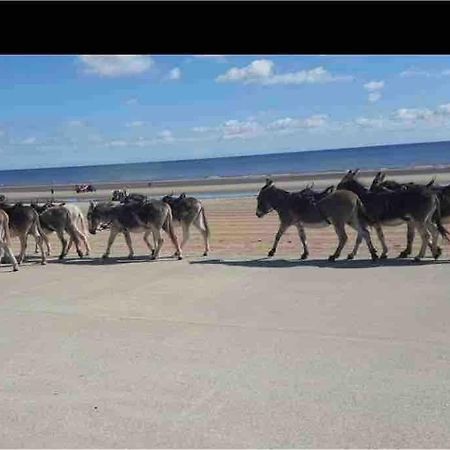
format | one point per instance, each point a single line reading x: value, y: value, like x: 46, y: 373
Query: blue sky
x: 103, y: 109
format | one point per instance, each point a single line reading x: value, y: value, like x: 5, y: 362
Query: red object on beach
x: 84, y: 188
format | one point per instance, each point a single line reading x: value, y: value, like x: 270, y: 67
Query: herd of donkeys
x: 423, y: 207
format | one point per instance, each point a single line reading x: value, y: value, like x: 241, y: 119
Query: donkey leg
x: 23, y: 248
x: 5, y: 247
x: 302, y: 236
x: 186, y: 234
x: 63, y: 240
x: 150, y: 247
x: 436, y: 251
x: 342, y: 236
x: 425, y: 235
x: 112, y: 236
x: 354, y: 251
x: 380, y: 235
x: 410, y: 231
x: 159, y: 242
x: 281, y: 230
x: 198, y: 223
x: 364, y: 233
x: 129, y: 244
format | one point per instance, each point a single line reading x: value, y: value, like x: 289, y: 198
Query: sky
x: 71, y: 110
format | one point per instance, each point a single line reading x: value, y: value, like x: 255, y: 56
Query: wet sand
x: 229, y: 351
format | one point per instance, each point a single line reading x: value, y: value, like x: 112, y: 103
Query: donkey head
x: 350, y: 183
x: 93, y: 217
x: 264, y: 205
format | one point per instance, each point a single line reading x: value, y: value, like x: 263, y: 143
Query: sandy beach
x: 229, y: 351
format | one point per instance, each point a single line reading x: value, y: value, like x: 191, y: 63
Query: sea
x: 428, y: 154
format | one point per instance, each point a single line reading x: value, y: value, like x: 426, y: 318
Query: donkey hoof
x: 402, y: 255
x: 383, y: 256
x: 271, y: 253
x: 43, y: 263
x: 375, y: 257
x: 205, y: 254
x: 438, y: 253
x: 130, y: 257
x: 105, y: 256
x: 15, y: 269
x: 179, y: 258
x: 350, y: 256
x: 417, y: 259
x: 304, y: 256
x: 332, y: 258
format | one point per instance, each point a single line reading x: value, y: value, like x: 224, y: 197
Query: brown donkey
x: 339, y: 208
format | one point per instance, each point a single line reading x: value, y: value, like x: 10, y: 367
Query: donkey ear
x: 355, y: 172
x: 183, y: 195
x: 430, y: 183
x: 382, y: 176
x: 269, y: 182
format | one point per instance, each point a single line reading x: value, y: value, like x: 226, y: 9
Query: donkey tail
x: 40, y: 230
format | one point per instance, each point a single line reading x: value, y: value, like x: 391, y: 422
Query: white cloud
x: 444, y: 109
x: 136, y: 123
x: 287, y: 123
x: 28, y: 141
x: 118, y: 143
x: 374, y: 88
x: 415, y: 72
x: 233, y: 129
x: 364, y: 122
x: 115, y: 65
x: 132, y: 101
x: 413, y: 114
x: 166, y: 136
x: 201, y: 129
x: 374, y: 97
x: 175, y: 74
x: 262, y: 71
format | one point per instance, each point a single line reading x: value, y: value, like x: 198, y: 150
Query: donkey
x: 393, y: 208
x: 189, y: 211
x: 5, y: 240
x: 379, y: 184
x: 148, y: 217
x: 59, y: 219
x: 78, y: 221
x: 24, y: 220
x: 337, y: 208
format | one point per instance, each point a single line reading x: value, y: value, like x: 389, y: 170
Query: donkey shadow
x: 270, y: 263
x: 112, y: 260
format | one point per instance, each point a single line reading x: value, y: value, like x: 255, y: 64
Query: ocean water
x: 386, y: 157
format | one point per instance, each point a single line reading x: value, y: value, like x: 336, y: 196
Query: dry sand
x: 233, y: 350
